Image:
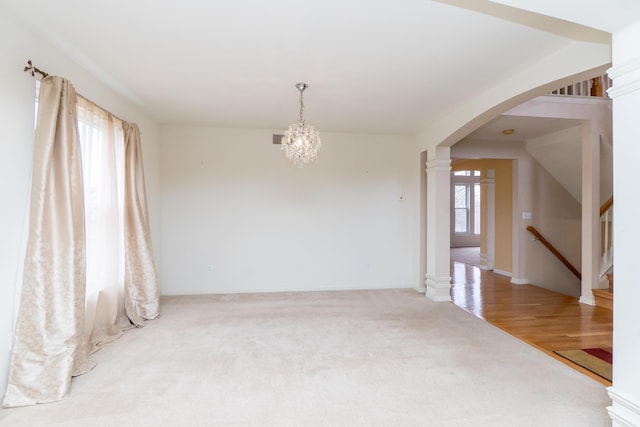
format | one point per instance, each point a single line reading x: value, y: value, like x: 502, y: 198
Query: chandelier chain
x: 301, y: 104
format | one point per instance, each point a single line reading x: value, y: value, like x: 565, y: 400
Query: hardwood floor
x: 544, y: 319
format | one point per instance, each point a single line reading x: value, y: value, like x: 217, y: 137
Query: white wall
x: 556, y: 151
x: 626, y: 152
x: 558, y: 217
x: 555, y: 213
x: 237, y: 216
x: 17, y: 91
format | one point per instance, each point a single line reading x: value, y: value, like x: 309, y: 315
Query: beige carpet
x: 361, y: 358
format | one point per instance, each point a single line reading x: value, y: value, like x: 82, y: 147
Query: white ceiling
x: 609, y: 15
x: 525, y: 128
x: 373, y: 66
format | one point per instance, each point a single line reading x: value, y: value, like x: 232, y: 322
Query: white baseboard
x: 623, y: 412
x: 272, y: 289
x: 502, y: 272
x: 519, y: 281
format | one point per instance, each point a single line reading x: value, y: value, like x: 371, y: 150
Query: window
x: 466, y: 203
x: 35, y: 116
x: 461, y: 206
x: 476, y: 208
x: 466, y: 173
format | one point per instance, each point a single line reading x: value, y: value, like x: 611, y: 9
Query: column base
x: 587, y: 299
x: 438, y: 288
x: 623, y: 412
x: 487, y: 262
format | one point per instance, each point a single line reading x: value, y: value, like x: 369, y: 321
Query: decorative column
x: 625, y: 92
x: 590, y: 211
x: 488, y: 188
x: 438, y: 279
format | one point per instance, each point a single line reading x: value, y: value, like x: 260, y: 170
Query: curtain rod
x: 33, y: 70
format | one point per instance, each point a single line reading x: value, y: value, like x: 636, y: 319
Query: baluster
x: 606, y: 235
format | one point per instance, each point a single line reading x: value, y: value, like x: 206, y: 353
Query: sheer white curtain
x: 122, y: 286
x: 102, y: 146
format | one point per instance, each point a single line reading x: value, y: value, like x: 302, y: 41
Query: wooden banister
x: 606, y: 205
x: 554, y: 251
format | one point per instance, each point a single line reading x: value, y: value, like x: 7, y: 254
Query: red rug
x: 597, y: 360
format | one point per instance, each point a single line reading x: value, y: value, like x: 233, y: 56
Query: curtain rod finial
x: 31, y: 69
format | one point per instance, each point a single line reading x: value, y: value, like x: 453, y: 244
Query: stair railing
x: 606, y: 236
x: 596, y: 86
x: 554, y: 251
x: 606, y: 239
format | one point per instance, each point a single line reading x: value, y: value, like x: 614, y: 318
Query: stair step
x: 604, y: 298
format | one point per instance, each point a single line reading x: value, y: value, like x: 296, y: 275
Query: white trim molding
x: 488, y: 185
x: 623, y: 412
x: 519, y: 281
x: 626, y: 78
x: 438, y: 288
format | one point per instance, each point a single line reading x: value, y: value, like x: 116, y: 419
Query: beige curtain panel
x: 141, y: 297
x: 50, y: 344
x: 89, y: 271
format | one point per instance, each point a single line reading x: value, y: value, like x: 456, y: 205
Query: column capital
x: 487, y: 181
x: 626, y: 78
x: 439, y: 165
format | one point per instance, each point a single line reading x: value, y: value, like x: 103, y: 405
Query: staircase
x: 604, y: 297
x: 556, y: 152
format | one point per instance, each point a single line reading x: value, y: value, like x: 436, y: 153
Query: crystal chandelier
x: 301, y: 141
